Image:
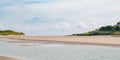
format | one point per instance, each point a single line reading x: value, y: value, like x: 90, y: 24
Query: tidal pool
x: 30, y: 50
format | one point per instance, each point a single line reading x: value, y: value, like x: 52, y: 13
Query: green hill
x: 105, y: 30
x: 10, y: 32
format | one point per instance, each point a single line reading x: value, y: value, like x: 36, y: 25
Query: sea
x: 36, y: 50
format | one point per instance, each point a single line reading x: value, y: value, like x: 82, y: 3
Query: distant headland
x: 105, y: 30
x: 10, y: 32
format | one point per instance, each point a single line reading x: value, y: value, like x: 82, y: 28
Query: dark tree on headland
x: 106, y: 28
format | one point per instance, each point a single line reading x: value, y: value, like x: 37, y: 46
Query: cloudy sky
x: 57, y: 17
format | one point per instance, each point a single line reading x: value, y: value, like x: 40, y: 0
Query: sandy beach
x: 96, y: 40
x: 19, y: 50
x: 6, y: 58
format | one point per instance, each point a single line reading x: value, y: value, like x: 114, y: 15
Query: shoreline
x: 7, y: 58
x: 84, y: 40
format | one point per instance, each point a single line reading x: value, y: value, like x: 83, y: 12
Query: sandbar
x: 96, y: 40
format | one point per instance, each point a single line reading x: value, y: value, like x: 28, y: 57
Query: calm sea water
x: 30, y: 50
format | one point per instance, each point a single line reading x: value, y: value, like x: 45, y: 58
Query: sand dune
x: 98, y: 40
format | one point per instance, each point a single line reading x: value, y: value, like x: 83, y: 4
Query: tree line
x: 10, y: 32
x: 105, y: 30
x: 111, y: 28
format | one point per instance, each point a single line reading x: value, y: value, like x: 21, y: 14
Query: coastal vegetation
x: 105, y: 30
x: 10, y: 32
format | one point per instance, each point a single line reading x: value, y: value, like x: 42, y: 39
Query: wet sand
x: 6, y: 58
x: 94, y: 40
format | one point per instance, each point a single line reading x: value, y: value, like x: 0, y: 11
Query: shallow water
x: 30, y: 50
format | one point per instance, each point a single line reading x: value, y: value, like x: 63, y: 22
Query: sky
x: 57, y: 17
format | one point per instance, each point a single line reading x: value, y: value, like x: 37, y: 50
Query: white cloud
x: 94, y: 23
x: 2, y: 27
x: 83, y: 25
x: 63, y: 26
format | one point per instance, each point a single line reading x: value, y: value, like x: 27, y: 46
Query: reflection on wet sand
x: 25, y: 44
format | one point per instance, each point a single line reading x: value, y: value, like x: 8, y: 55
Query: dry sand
x: 6, y: 58
x: 96, y: 40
